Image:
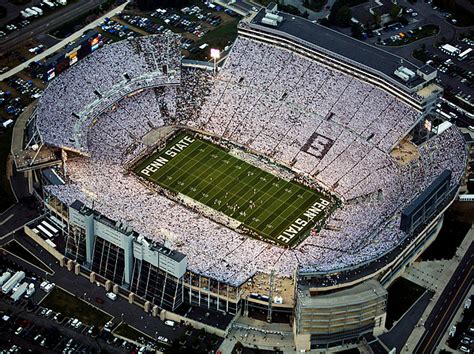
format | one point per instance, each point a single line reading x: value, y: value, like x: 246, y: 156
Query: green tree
x: 343, y: 17
x: 3, y: 11
x: 403, y: 20
x: 376, y: 17
x: 395, y: 11
x: 357, y: 30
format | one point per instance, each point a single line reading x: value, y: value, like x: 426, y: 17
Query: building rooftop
x: 362, y: 12
x: 427, y: 69
x: 360, y: 293
x: 77, y: 205
x: 340, y: 44
x: 174, y: 255
x: 429, y: 90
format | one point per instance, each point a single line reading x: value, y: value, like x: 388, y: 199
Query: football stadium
x: 292, y: 185
x: 266, y: 205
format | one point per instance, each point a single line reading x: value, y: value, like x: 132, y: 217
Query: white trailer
x: 4, y: 278
x: 464, y: 54
x: 7, y: 123
x: 19, y: 292
x: 14, y: 280
x: 49, y: 3
x: 25, y: 14
x: 31, y: 12
x: 38, y: 10
x: 30, y: 291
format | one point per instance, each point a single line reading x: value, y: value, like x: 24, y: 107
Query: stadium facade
x: 326, y: 307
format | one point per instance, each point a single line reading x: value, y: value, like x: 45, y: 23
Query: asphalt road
x: 47, y: 23
x: 448, y: 303
x: 15, y: 217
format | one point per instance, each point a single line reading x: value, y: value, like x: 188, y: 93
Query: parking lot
x: 196, y: 23
x: 15, y: 94
x: 461, y: 334
x: 36, y: 320
x: 38, y: 327
x: 151, y: 330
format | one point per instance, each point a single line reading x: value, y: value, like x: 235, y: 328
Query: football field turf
x: 277, y: 210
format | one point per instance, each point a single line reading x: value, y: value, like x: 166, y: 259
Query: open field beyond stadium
x: 277, y: 210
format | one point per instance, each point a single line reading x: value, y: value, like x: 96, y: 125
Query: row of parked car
x: 117, y: 29
x: 48, y: 338
x: 29, y: 13
x: 461, y: 335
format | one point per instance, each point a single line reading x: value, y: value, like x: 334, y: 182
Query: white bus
x: 51, y: 243
x: 464, y: 54
x: 43, y: 230
x: 57, y: 222
x: 50, y: 227
x: 466, y: 197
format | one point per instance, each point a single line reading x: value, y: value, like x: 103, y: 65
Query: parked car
x: 111, y: 296
x: 169, y: 323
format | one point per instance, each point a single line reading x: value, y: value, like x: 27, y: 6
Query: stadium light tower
x: 215, y: 54
x: 90, y: 194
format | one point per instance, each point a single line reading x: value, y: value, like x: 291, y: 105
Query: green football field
x: 277, y: 210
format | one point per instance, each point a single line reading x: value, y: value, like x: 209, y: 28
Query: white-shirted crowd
x: 323, y: 123
x: 72, y: 100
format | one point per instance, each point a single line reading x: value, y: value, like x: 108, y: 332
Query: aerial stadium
x: 300, y: 178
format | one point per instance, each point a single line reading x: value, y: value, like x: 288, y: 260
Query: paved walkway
x: 251, y: 333
x: 63, y: 43
x: 427, y: 273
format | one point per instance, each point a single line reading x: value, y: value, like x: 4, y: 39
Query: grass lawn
x: 130, y: 332
x: 3, y: 11
x: 264, y: 2
x: 71, y: 306
x: 6, y: 194
x: 314, y: 5
x: 218, y: 38
x: 275, y: 209
x: 418, y: 33
x: 20, y: 251
x: 402, y: 294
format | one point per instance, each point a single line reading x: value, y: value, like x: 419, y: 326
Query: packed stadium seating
x: 328, y: 126
x: 70, y: 103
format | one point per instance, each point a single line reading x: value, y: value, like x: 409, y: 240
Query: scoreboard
x: 420, y: 210
x: 70, y: 55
